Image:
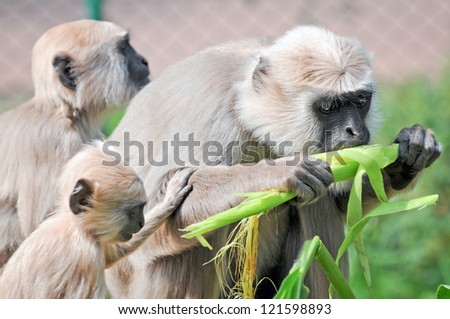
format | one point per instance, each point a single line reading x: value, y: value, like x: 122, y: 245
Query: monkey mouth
x: 143, y: 83
x: 125, y: 236
x: 350, y: 144
x: 339, y: 145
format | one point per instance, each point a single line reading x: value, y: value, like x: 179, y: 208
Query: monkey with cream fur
x: 99, y: 220
x: 81, y: 70
x: 311, y: 91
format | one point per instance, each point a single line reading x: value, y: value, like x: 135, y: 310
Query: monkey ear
x: 260, y: 74
x: 62, y: 66
x: 81, y: 196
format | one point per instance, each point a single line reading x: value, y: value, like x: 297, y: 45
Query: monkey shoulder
x: 58, y: 253
x: 58, y: 235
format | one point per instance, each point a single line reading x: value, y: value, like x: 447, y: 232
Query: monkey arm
x: 176, y: 190
x: 214, y: 189
x: 154, y: 218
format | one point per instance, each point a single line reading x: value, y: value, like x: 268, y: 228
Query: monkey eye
x: 124, y: 44
x: 132, y: 213
x: 360, y: 101
x: 327, y: 106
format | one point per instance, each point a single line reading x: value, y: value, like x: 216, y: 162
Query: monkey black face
x: 343, y: 119
x: 135, y: 221
x: 137, y: 65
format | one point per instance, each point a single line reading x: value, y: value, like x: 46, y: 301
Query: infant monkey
x: 99, y: 210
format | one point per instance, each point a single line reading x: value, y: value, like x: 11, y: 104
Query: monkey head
x: 87, y: 63
x: 108, y: 201
x: 311, y: 89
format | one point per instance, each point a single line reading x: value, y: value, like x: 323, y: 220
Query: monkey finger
x: 179, y: 197
x: 403, y: 146
x: 437, y: 150
x: 309, y: 185
x: 185, y: 191
x: 305, y: 192
x: 426, y: 152
x: 185, y: 173
x: 415, y: 144
x: 181, y: 178
x: 322, y: 172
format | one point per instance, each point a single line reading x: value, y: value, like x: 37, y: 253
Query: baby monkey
x: 99, y: 210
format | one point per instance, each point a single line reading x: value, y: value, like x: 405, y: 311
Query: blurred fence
x: 407, y: 37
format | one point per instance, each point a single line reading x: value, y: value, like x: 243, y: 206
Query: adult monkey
x: 311, y: 90
x: 80, y: 70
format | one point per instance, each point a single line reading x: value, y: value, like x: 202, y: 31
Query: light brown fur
x: 66, y: 256
x: 41, y: 135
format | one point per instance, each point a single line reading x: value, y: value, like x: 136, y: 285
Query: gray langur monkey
x: 99, y: 219
x: 81, y: 70
x: 309, y: 90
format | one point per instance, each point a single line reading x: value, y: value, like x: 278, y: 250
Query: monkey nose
x: 357, y: 136
x: 352, y: 132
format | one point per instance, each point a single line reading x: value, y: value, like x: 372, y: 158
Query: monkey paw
x: 310, y: 181
x: 418, y: 149
x: 177, y: 188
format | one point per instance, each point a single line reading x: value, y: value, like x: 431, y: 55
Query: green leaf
x: 291, y: 287
x: 354, y: 215
x: 254, y: 204
x: 368, y: 161
x: 384, y: 209
x: 354, y: 208
x: 342, y: 169
x: 333, y: 273
x: 202, y: 240
x: 443, y: 292
x: 344, y: 163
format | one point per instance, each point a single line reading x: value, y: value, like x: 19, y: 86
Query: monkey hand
x: 177, y: 189
x: 310, y: 180
x: 418, y: 149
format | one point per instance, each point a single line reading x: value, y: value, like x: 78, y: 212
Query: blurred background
x: 410, y: 42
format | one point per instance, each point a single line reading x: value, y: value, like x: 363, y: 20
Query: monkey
x: 99, y: 219
x: 81, y: 71
x: 265, y: 104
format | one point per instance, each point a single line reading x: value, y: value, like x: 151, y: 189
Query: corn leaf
x: 384, y: 209
x: 354, y: 206
x: 354, y: 215
x: 372, y: 168
x: 254, y: 204
x: 291, y: 287
x: 344, y: 163
x: 333, y: 273
x: 443, y: 292
x: 342, y: 169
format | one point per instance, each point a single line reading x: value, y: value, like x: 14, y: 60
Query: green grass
x: 112, y: 121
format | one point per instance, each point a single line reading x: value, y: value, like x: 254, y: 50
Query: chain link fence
x: 407, y: 37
